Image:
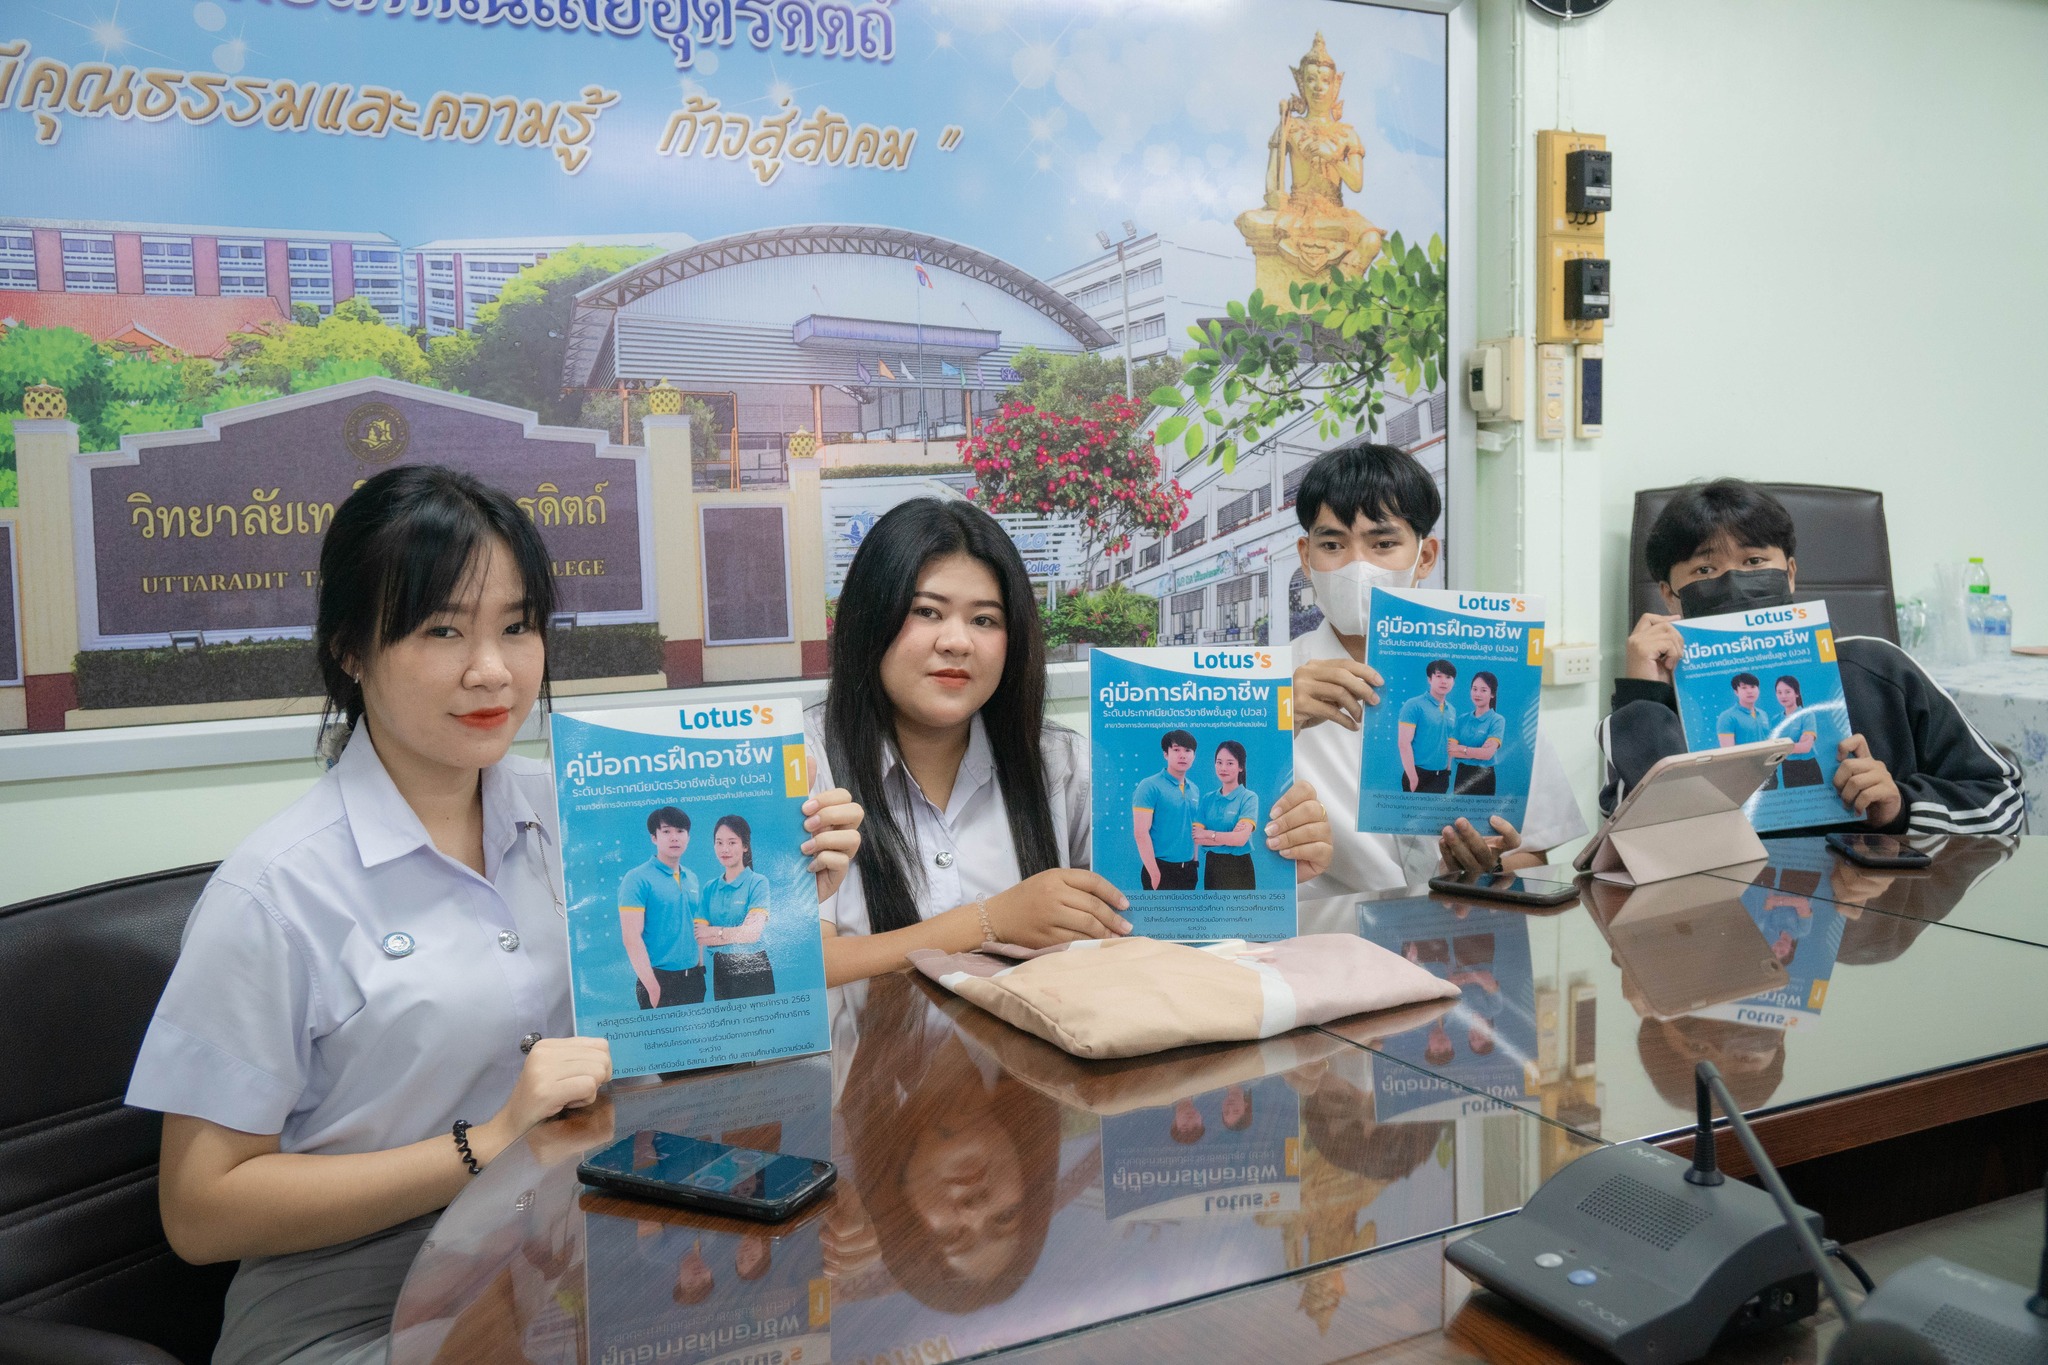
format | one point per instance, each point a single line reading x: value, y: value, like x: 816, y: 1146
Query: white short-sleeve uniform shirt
x: 1329, y: 757
x: 965, y: 850
x: 349, y: 987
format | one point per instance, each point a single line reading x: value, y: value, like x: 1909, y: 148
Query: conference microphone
x: 1652, y: 1260
x: 1862, y: 1342
x: 1973, y: 1318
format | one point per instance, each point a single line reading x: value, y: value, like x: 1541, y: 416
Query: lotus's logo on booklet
x: 1240, y: 659
x: 694, y: 718
x: 1774, y: 616
x: 1476, y: 601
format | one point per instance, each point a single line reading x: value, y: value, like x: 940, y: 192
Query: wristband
x: 461, y: 1131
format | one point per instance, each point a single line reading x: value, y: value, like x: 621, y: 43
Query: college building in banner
x: 230, y: 278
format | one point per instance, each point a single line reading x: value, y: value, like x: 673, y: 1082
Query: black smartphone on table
x: 1505, y: 886
x: 715, y: 1177
x: 1878, y: 850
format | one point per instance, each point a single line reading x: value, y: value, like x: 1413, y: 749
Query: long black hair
x: 1797, y: 696
x: 399, y: 550
x: 1236, y: 751
x: 860, y: 718
x: 742, y: 831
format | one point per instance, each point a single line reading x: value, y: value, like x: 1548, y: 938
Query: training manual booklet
x: 1191, y: 748
x: 693, y: 917
x: 1455, y: 731
x: 1767, y: 674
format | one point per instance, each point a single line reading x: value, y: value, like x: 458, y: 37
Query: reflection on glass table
x: 994, y: 1191
x: 1986, y: 884
x: 1619, y: 1025
x: 1134, y: 1184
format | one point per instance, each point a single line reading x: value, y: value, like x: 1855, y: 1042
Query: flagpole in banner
x: 922, y: 281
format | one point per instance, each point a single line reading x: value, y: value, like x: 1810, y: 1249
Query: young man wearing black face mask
x: 1914, y: 763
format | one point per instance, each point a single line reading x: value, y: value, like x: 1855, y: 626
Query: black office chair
x: 1844, y: 555
x: 86, y: 1277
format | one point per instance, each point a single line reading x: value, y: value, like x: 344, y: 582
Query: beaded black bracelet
x: 462, y: 1146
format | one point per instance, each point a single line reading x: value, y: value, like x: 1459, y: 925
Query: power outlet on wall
x: 1565, y: 665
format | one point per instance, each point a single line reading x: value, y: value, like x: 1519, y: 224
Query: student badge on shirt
x: 1191, y: 746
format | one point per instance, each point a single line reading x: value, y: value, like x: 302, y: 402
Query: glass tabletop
x: 1594, y: 1016
x: 993, y: 1191
x: 1989, y: 885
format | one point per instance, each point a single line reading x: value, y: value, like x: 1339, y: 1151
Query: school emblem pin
x: 376, y: 433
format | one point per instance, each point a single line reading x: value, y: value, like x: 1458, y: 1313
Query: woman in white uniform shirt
x: 385, y: 963
x: 977, y: 808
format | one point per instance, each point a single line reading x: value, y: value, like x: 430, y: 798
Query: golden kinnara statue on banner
x: 1304, y: 230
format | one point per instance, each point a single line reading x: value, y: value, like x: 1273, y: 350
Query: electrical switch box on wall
x: 1495, y: 384
x: 1587, y: 419
x: 1574, y: 190
x: 1556, y: 319
x: 1568, y: 198
x: 1564, y: 665
x: 1552, y: 386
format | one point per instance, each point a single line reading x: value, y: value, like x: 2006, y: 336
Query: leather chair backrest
x: 80, y: 1238
x: 1844, y: 554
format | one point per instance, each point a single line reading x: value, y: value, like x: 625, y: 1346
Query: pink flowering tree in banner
x: 1097, y: 468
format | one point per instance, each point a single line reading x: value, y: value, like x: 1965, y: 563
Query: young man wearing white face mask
x: 1367, y: 515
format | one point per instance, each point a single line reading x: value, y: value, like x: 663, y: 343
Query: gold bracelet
x: 988, y: 929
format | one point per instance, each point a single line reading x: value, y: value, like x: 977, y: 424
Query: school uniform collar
x: 384, y: 824
x: 977, y: 766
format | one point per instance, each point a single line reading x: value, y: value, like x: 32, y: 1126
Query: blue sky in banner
x: 1074, y: 116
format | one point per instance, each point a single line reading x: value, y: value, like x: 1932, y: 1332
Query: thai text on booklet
x: 1461, y: 689
x: 693, y: 917
x: 1191, y: 748
x: 1766, y: 674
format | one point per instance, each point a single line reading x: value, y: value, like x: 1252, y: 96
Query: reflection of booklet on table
x: 693, y: 919
x: 1225, y: 1153
x: 1455, y: 731
x: 1487, y: 1041
x: 1191, y: 748
x: 1769, y: 674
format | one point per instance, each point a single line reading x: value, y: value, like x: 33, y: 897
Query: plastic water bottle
x: 1997, y: 635
x: 1976, y: 598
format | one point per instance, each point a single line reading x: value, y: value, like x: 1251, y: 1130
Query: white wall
x: 1829, y: 266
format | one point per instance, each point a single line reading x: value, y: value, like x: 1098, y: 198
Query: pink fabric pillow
x: 1127, y: 997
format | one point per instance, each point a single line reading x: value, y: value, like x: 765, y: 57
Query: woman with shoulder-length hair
x: 372, y: 998
x: 735, y: 915
x: 977, y: 809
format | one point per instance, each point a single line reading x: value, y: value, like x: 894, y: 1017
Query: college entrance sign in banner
x: 708, y: 286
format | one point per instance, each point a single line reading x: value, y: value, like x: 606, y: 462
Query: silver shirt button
x: 508, y: 940
x: 944, y: 859
x: 397, y: 945
x: 526, y: 1043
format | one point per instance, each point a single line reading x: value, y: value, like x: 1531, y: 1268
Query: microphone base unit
x: 1972, y: 1318
x: 1624, y: 1252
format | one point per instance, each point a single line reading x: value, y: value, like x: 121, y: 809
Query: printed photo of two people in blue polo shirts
x: 1769, y: 674
x: 1454, y: 734
x: 693, y: 916
x: 1191, y: 748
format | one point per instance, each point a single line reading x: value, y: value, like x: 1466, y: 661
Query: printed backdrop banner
x: 631, y: 260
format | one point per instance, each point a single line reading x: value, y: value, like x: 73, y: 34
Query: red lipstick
x: 951, y: 677
x: 490, y: 718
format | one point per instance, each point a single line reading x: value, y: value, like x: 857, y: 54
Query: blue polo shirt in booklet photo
x: 693, y: 917
x: 1190, y: 749
x: 1769, y: 674
x: 1455, y: 731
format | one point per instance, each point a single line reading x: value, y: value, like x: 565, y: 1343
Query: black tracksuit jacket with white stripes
x: 1951, y: 779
